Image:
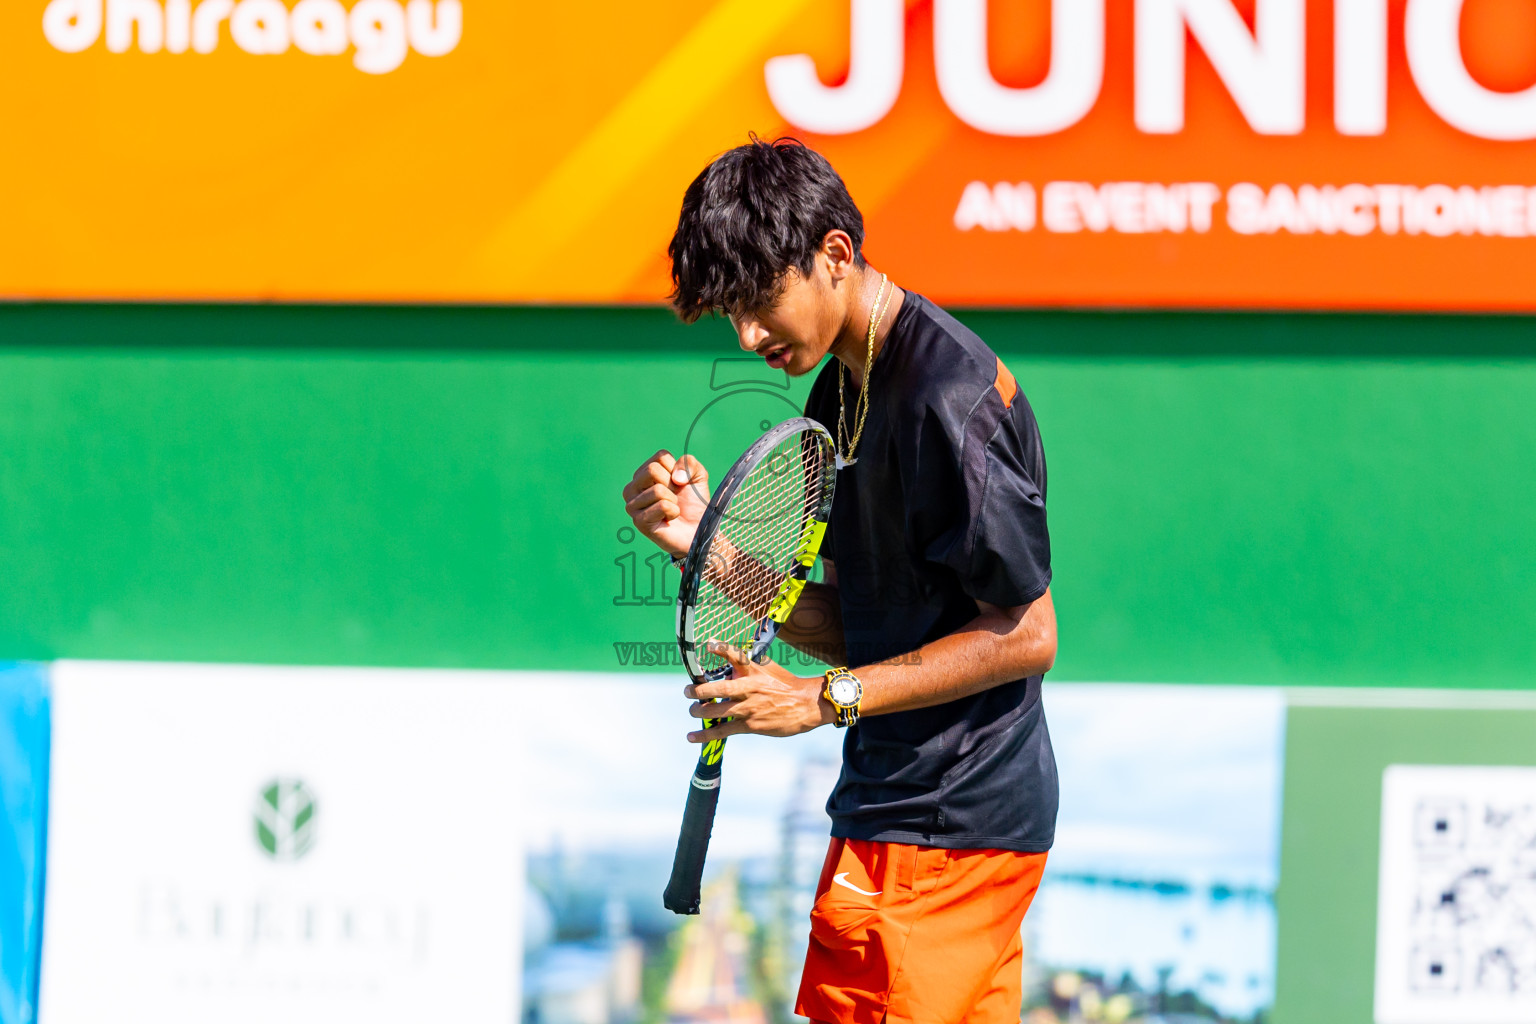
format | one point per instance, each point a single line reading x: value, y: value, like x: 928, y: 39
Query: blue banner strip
x: 24, y: 733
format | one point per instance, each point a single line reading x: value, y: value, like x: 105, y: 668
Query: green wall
x: 1234, y: 498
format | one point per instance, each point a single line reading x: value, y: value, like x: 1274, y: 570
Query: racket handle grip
x: 682, y: 895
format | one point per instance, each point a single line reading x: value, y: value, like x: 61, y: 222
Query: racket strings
x: 756, y: 544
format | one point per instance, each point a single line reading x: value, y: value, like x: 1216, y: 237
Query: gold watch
x: 844, y: 692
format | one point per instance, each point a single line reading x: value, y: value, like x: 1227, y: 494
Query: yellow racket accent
x: 714, y: 748
x: 784, y: 601
x: 810, y: 542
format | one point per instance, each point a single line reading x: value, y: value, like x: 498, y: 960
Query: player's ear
x: 838, y: 250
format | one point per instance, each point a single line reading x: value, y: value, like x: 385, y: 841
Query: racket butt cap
x: 680, y: 906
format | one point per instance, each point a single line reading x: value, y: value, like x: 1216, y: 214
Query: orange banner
x: 1248, y: 153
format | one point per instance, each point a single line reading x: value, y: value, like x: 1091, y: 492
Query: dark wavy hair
x: 750, y: 216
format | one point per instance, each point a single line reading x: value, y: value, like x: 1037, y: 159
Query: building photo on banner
x: 349, y: 664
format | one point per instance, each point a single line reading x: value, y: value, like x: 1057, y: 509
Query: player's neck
x: 852, y: 344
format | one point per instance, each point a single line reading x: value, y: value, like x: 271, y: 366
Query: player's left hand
x: 764, y: 699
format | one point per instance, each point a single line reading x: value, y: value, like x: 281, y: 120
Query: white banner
x: 234, y: 843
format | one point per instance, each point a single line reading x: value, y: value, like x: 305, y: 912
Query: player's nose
x: 750, y: 333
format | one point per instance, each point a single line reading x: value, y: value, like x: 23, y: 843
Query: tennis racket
x: 747, y: 565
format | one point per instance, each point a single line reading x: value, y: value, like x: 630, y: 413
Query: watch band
x: 845, y: 714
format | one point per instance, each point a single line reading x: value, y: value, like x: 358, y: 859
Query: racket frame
x: 709, y: 523
x: 682, y: 894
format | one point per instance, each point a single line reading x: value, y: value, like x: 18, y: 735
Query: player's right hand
x: 666, y: 499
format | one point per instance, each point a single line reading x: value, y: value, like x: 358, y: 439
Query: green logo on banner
x: 285, y: 819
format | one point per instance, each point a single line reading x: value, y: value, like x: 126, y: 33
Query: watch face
x: 845, y: 692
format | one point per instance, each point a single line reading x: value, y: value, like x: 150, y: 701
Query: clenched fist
x: 666, y: 499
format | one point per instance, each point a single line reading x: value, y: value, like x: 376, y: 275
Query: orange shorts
x: 917, y: 934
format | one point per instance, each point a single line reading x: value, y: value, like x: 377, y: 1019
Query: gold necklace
x: 846, y: 447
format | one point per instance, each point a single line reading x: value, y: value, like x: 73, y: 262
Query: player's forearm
x: 815, y: 627
x: 733, y: 572
x: 998, y: 646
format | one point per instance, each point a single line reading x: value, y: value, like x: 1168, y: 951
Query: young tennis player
x: 936, y: 605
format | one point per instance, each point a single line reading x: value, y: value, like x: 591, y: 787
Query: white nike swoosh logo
x: 841, y: 878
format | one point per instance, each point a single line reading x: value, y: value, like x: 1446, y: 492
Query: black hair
x: 751, y: 215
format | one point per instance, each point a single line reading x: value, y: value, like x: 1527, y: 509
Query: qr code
x: 1456, y: 910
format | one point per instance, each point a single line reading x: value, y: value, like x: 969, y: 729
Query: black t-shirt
x: 944, y: 506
